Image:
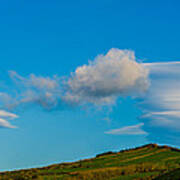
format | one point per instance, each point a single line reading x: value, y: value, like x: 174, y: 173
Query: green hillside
x: 146, y: 162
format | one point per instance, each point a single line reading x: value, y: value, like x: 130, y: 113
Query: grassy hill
x: 146, y: 162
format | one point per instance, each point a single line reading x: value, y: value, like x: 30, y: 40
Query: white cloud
x: 167, y: 119
x: 161, y: 105
x: 6, y: 100
x: 7, y: 114
x: 4, y: 117
x: 5, y: 124
x: 101, y: 81
x: 44, y: 91
x: 34, y: 81
x: 162, y: 102
x: 163, y: 67
x: 164, y: 113
x: 128, y: 130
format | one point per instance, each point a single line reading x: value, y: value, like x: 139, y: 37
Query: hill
x: 146, y: 162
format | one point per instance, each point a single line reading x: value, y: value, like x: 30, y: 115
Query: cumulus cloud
x: 100, y: 82
x: 107, y: 77
x: 4, y: 117
x: 128, y: 130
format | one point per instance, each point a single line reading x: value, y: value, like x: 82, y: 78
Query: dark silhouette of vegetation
x: 105, y: 153
x: 172, y: 175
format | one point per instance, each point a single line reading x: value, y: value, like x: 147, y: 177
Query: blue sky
x: 58, y: 115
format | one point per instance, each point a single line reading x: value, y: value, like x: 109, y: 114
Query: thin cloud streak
x: 128, y: 130
x: 4, y: 117
x: 161, y: 63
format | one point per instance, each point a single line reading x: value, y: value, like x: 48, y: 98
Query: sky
x: 78, y: 78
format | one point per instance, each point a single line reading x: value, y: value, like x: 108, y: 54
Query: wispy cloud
x: 4, y: 117
x: 161, y: 105
x: 34, y: 81
x: 44, y: 91
x: 128, y: 130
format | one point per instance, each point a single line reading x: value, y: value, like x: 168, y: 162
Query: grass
x: 146, y: 162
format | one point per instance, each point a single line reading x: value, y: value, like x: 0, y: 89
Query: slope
x: 147, y: 162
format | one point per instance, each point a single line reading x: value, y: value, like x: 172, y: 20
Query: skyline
x: 88, y: 76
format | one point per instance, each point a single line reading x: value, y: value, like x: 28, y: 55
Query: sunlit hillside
x: 146, y: 162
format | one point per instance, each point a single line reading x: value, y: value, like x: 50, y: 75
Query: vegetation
x: 174, y: 175
x: 143, y: 163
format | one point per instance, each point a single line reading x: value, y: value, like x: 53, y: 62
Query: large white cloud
x: 101, y: 81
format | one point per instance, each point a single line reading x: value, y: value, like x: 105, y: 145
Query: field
x: 146, y: 162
